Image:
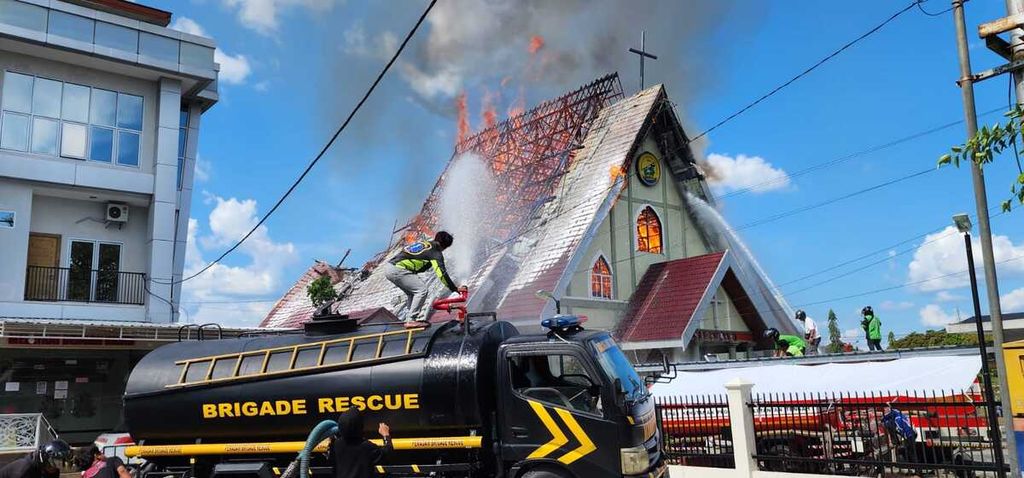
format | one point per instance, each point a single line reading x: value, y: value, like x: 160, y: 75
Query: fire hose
x: 323, y: 430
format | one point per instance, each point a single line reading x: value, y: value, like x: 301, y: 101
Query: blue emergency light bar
x: 563, y: 322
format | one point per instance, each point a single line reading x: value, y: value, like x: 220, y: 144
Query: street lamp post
x: 963, y: 224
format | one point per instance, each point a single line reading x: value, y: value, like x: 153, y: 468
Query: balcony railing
x: 74, y: 284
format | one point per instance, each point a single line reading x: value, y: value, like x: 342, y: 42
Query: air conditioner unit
x: 117, y: 212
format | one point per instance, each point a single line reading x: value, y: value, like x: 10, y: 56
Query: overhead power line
x: 806, y: 71
x: 842, y: 159
x: 809, y: 207
x: 326, y: 147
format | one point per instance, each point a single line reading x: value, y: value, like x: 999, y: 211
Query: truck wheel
x: 543, y: 473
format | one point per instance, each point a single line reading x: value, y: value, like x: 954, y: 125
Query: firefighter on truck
x: 469, y: 397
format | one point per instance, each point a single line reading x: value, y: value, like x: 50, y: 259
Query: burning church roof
x: 554, y: 174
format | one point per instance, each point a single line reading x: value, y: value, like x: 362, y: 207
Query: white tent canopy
x: 927, y: 375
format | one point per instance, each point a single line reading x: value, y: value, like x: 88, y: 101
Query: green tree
x: 320, y: 291
x: 892, y: 338
x: 989, y: 142
x: 932, y: 338
x: 835, y: 335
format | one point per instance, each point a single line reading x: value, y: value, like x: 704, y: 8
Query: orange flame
x: 463, y: 121
x: 488, y: 112
x: 536, y: 43
x: 616, y: 172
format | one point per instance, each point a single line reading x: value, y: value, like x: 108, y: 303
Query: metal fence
x: 21, y: 432
x: 868, y: 434
x: 84, y: 285
x: 696, y: 430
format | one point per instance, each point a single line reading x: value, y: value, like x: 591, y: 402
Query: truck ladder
x: 304, y: 357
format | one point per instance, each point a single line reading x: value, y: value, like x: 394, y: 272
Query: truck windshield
x: 617, y: 366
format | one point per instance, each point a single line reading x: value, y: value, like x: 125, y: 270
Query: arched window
x: 648, y: 231
x: 601, y: 279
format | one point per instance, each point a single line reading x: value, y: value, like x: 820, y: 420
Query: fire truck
x: 468, y: 397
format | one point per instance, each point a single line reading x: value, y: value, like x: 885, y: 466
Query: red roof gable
x: 666, y: 298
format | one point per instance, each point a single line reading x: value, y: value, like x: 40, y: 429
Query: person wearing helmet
x: 785, y: 345
x: 811, y: 335
x: 403, y: 270
x: 46, y: 462
x: 872, y: 326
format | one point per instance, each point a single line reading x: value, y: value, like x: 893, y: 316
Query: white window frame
x: 66, y: 258
x: 88, y: 125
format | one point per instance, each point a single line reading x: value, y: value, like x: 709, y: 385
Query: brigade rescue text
x: 299, y: 406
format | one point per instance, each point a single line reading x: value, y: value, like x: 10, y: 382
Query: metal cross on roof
x: 642, y: 52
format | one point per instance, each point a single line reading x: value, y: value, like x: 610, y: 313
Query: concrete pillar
x: 164, y: 204
x: 185, y: 201
x: 741, y: 420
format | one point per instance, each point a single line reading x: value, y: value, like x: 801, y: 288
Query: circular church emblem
x: 648, y: 169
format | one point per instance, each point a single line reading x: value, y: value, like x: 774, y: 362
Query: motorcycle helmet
x: 771, y: 334
x: 867, y: 311
x: 801, y: 315
x: 55, y: 454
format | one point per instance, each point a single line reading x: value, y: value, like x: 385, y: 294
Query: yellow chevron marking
x: 586, y: 446
x: 557, y: 436
x: 277, y: 471
x: 380, y: 469
x: 416, y: 468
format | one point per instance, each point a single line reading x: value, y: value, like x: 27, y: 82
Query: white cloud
x: 262, y: 86
x: 726, y: 173
x: 1013, y: 301
x: 382, y: 46
x: 947, y: 296
x: 256, y: 278
x: 890, y: 305
x: 934, y: 316
x: 263, y: 15
x: 941, y: 260
x: 445, y: 82
x: 203, y: 169
x: 234, y: 69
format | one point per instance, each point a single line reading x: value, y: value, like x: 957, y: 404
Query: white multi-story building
x: 99, y: 120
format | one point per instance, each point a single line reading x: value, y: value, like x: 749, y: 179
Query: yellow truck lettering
x: 299, y: 406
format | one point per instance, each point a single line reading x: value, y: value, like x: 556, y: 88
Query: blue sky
x: 292, y: 68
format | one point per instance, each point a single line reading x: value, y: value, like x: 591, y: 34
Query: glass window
x: 101, y: 144
x: 181, y: 171
x: 17, y: 92
x: 183, y: 117
x: 158, y: 48
x: 70, y: 26
x: 46, y: 98
x: 23, y: 15
x: 44, y: 136
x: 72, y: 140
x: 76, y: 103
x: 129, y: 111
x: 559, y: 379
x: 181, y: 142
x: 127, y: 148
x: 601, y: 279
x: 617, y: 366
x: 103, y: 107
x: 80, y: 275
x: 648, y: 231
x: 108, y: 263
x: 196, y: 55
x: 117, y: 37
x: 15, y: 132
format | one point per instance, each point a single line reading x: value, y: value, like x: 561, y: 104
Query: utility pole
x: 966, y: 83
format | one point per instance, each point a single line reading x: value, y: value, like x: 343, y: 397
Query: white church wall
x: 616, y: 241
x: 728, y: 316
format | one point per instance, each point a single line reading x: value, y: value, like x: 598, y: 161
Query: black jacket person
x: 351, y: 455
x: 403, y: 270
x: 43, y: 463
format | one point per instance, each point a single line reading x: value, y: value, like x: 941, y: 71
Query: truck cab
x: 570, y: 404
